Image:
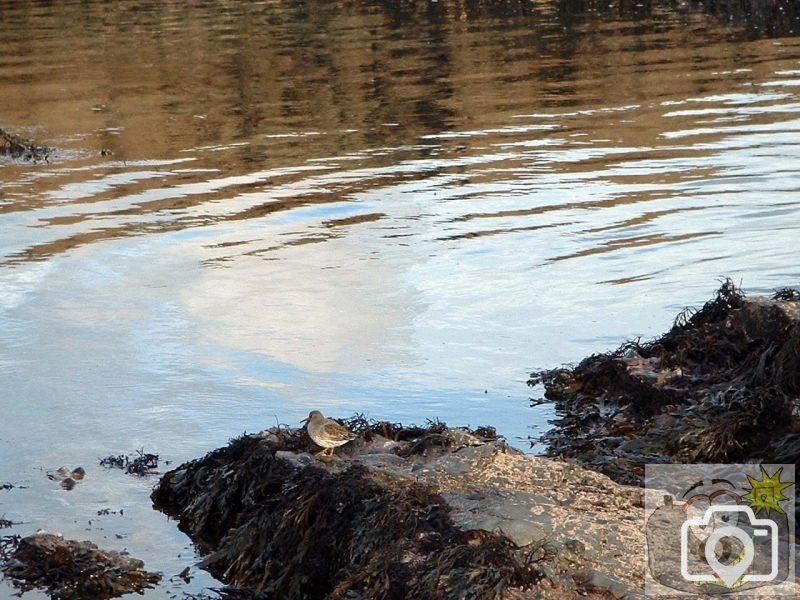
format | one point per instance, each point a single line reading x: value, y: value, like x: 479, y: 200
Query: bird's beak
x: 306, y: 420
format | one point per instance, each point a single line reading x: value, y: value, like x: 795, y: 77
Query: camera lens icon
x: 733, y: 572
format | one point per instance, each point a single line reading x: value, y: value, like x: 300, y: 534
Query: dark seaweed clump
x: 21, y: 148
x: 721, y: 385
x: 71, y: 570
x: 141, y: 464
x: 787, y: 295
x: 434, y: 437
x: 276, y: 527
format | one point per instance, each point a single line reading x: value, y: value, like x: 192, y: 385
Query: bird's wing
x: 332, y: 430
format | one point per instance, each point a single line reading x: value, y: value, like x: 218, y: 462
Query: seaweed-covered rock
x: 723, y: 385
x: 18, y: 147
x: 71, y: 570
x: 403, y: 513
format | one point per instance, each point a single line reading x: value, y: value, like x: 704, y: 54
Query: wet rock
x: 381, y: 444
x: 595, y: 581
x: 67, y: 478
x: 381, y: 460
x: 299, y: 460
x: 437, y: 518
x: 69, y: 569
x: 575, y: 546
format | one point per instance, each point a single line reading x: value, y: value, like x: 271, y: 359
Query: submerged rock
x: 71, y: 570
x: 721, y: 386
x: 67, y: 479
x: 404, y: 513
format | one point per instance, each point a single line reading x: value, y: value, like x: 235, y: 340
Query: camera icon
x: 719, y: 529
x: 733, y: 572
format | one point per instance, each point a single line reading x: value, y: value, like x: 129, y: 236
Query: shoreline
x: 442, y: 511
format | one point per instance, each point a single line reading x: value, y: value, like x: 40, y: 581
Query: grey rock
x: 379, y: 445
x: 301, y: 460
x: 575, y: 546
x: 511, y: 513
x: 596, y: 581
x: 462, y: 437
x: 380, y: 460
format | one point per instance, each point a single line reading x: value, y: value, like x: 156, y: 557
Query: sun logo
x: 767, y: 493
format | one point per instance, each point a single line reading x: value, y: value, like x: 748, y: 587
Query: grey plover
x: 327, y: 433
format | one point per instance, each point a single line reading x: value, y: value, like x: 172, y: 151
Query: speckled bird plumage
x: 327, y: 433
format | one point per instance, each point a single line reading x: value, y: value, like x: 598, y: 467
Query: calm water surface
x: 357, y: 208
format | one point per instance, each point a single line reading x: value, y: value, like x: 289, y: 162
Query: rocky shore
x: 721, y: 386
x: 439, y: 512
x: 444, y: 512
x: 405, y: 513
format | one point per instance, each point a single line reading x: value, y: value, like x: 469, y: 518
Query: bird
x: 326, y: 432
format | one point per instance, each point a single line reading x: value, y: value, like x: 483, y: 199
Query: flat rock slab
x: 582, y: 516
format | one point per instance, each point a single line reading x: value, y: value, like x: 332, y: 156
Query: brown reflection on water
x: 635, y: 242
x: 236, y: 71
x: 230, y: 111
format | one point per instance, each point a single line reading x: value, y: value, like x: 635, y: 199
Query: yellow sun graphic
x: 767, y: 493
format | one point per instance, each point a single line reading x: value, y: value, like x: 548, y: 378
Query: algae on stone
x: 722, y: 385
x: 459, y: 515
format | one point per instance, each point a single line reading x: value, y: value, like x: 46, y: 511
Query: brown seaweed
x: 141, y: 464
x: 720, y: 386
x: 69, y: 569
x: 276, y: 527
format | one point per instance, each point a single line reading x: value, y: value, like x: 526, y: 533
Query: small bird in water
x: 327, y: 432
